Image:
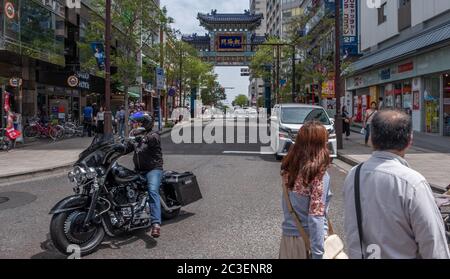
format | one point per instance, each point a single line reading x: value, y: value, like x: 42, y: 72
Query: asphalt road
x: 238, y: 217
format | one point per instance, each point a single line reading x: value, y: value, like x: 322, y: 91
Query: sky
x: 184, y: 12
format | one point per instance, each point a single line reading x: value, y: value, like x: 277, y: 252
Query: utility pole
x: 108, y: 115
x: 278, y: 74
x: 337, y: 75
x: 161, y: 64
x: 181, y: 74
x: 294, y: 84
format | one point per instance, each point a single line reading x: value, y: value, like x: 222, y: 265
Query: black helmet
x: 145, y: 119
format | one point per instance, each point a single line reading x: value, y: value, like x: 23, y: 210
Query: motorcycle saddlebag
x: 185, y: 186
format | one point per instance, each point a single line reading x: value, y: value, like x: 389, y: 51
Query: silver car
x: 286, y: 121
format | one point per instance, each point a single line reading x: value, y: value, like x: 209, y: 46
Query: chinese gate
x: 231, y: 39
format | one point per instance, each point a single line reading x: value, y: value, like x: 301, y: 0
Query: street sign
x: 160, y: 78
x: 245, y: 72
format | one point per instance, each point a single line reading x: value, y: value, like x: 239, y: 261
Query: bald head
x: 391, y: 130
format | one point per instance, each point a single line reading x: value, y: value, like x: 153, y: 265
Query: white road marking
x: 249, y: 152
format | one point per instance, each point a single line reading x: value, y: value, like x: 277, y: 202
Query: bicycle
x: 38, y: 129
x: 71, y: 129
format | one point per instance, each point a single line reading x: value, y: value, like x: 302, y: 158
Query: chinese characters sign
x: 350, y: 27
x: 230, y: 43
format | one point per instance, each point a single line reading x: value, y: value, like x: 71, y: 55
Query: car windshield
x: 299, y: 115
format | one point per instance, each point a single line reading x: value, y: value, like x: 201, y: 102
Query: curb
x: 4, y: 180
x: 352, y: 162
x: 37, y: 173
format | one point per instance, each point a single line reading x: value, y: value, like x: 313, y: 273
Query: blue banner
x: 230, y: 43
x: 99, y: 53
x: 350, y: 27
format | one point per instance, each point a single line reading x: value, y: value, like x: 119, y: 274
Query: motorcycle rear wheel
x: 66, y: 229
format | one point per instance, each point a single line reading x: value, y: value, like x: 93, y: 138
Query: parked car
x: 286, y: 121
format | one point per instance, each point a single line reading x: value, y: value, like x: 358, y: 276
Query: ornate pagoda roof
x: 214, y: 18
x: 195, y: 39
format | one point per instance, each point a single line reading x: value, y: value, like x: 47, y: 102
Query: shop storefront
x: 62, y: 95
x: 420, y: 86
x: 446, y: 103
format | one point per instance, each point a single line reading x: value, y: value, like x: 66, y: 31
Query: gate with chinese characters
x: 231, y: 39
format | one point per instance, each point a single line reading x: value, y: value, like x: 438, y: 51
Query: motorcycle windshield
x: 95, y: 154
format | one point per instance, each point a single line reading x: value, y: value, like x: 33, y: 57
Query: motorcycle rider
x: 148, y: 158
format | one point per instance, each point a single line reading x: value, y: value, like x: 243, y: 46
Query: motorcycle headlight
x: 91, y: 173
x: 78, y: 175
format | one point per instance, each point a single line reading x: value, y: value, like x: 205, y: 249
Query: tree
x: 260, y: 102
x: 317, y: 63
x: 135, y: 25
x: 241, y: 100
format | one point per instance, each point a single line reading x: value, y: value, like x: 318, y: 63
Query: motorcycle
x: 112, y: 200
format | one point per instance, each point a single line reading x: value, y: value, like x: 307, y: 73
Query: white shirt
x: 100, y: 116
x: 399, y: 212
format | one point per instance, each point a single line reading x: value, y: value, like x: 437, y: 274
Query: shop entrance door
x: 446, y: 99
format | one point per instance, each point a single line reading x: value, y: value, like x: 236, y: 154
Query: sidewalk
x: 37, y: 159
x: 430, y: 155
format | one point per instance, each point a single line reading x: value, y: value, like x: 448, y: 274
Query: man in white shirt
x: 399, y: 215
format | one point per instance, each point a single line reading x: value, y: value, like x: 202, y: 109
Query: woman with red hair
x: 306, y: 187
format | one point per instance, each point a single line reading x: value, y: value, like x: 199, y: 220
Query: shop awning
x: 133, y: 92
x: 426, y: 39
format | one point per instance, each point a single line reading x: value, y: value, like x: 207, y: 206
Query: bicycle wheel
x: 60, y: 132
x: 30, y: 132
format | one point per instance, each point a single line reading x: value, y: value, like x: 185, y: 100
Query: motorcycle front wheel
x: 68, y: 233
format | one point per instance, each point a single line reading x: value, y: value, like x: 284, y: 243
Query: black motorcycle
x: 113, y: 200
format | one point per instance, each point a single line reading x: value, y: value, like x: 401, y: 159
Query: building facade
x: 256, y: 87
x: 273, y: 18
x: 41, y: 72
x: 406, y: 62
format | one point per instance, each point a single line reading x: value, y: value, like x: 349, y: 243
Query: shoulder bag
x: 333, y: 244
x: 358, y: 207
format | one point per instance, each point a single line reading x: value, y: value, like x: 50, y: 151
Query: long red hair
x: 309, y: 156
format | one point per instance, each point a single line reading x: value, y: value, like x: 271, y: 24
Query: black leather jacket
x: 147, y: 152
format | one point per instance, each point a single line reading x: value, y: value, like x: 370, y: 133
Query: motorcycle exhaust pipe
x: 166, y: 208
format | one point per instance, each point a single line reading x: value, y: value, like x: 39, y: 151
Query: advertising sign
x: 159, y: 78
x: 10, y: 11
x: 350, y: 27
x: 230, y: 43
x: 99, y: 53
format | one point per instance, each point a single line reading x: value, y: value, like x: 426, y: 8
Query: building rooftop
x: 214, y: 18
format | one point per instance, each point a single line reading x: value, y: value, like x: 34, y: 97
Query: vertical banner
x: 350, y: 27
x: 99, y: 53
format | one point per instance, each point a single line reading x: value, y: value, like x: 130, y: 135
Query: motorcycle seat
x: 122, y: 174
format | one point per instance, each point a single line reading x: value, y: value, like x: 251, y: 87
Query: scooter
x: 8, y: 138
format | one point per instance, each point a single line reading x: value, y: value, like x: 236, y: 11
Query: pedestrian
x: 380, y: 103
x: 370, y: 114
x: 389, y: 209
x: 120, y: 118
x: 100, y: 119
x: 306, y: 188
x: 88, y: 113
x: 346, y: 121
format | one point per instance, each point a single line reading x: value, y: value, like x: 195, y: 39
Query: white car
x: 287, y: 119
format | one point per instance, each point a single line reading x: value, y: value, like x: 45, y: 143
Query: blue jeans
x: 121, y: 129
x: 367, y: 133
x: 154, y: 182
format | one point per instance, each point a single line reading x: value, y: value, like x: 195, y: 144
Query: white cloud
x: 184, y: 12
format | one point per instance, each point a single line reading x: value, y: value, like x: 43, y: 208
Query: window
x: 382, y: 17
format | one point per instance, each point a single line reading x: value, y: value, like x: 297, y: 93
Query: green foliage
x: 260, y: 102
x: 240, y: 100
